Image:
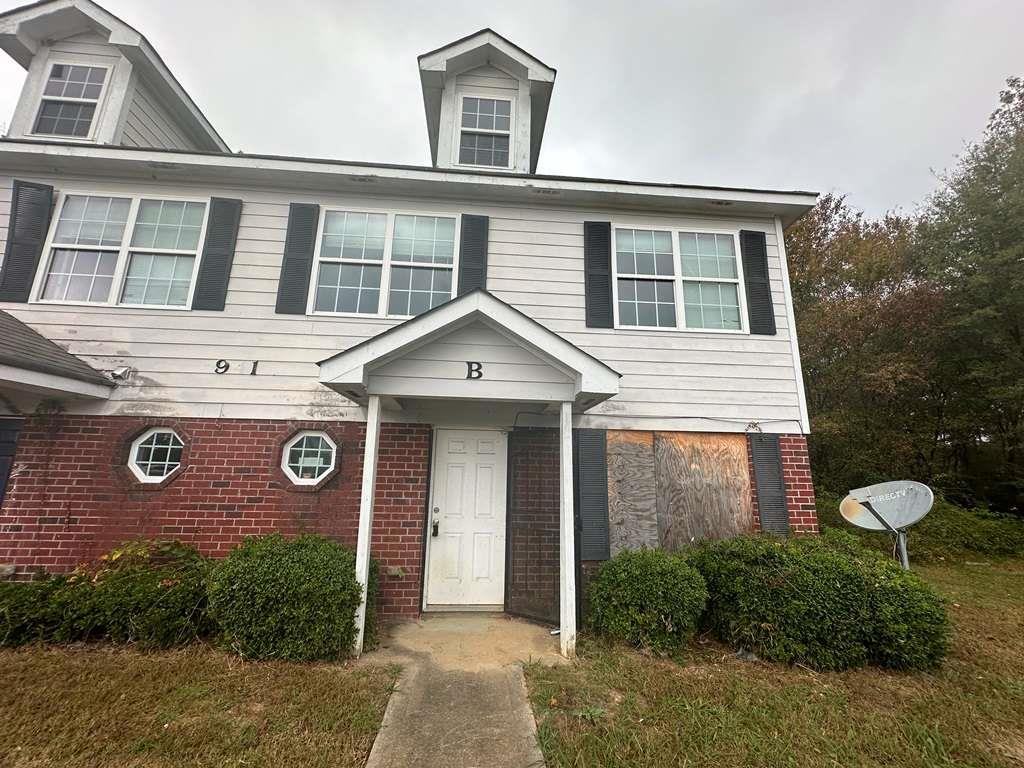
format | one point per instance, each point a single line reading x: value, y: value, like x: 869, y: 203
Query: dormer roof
x: 479, y: 49
x: 23, y: 30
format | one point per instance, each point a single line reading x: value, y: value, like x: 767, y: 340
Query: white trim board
x: 24, y: 380
x: 313, y: 175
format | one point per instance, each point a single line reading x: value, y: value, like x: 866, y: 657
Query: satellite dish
x: 899, y: 504
x: 892, y: 507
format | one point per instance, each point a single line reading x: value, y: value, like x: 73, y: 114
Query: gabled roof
x: 24, y: 349
x: 24, y: 29
x: 476, y: 50
x: 348, y: 371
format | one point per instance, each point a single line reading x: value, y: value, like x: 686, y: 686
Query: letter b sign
x: 474, y: 370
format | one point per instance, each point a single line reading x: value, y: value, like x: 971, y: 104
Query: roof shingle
x: 23, y: 347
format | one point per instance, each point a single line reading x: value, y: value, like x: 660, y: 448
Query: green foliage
x: 278, y: 598
x: 147, y: 592
x: 649, y: 598
x: 824, y: 602
x: 26, y: 612
x: 949, y: 532
x: 912, y: 329
x: 371, y: 628
x: 909, y: 626
x: 784, y: 603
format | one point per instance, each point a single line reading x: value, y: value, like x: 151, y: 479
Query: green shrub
x: 826, y: 602
x: 649, y: 598
x: 785, y: 604
x: 278, y: 598
x: 909, y: 625
x: 148, y: 592
x: 371, y: 630
x: 26, y: 610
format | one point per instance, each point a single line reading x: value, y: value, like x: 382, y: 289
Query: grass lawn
x: 620, y: 708
x: 102, y: 706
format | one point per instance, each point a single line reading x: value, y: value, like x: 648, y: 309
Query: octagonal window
x: 309, y: 457
x: 155, y: 455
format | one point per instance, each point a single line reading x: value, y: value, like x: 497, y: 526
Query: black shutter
x: 473, y: 253
x: 760, y: 311
x: 590, y: 480
x: 218, y: 254
x: 293, y: 285
x: 31, y: 205
x: 597, y: 273
x: 771, y: 488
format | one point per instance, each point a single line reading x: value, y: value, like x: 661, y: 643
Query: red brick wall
x: 796, y: 473
x: 72, y: 497
x: 533, y: 585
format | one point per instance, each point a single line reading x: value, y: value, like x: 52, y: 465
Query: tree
x: 912, y: 328
x: 971, y: 242
x: 865, y: 321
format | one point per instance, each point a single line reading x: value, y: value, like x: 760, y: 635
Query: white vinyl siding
x: 685, y: 380
x: 148, y: 124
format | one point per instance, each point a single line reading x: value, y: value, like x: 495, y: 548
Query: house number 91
x: 223, y: 366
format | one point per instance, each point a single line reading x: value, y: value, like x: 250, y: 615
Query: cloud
x: 866, y: 98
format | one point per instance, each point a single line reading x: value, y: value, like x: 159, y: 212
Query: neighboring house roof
x: 476, y: 50
x: 24, y: 29
x: 27, y: 349
x: 337, y: 176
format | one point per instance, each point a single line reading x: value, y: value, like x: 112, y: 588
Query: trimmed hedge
x: 27, y: 612
x: 649, y: 598
x: 278, y: 598
x: 821, y: 601
x: 153, y: 594
x: 147, y: 592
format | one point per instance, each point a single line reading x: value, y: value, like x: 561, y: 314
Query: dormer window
x: 69, y: 102
x: 486, y: 132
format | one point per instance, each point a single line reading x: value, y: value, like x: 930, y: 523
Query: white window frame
x: 295, y: 479
x: 123, y: 251
x: 100, y: 102
x: 133, y: 455
x: 678, y: 279
x: 386, y: 263
x: 458, y: 129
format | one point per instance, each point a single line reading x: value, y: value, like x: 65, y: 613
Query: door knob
x: 433, y: 529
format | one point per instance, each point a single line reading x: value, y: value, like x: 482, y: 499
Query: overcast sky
x: 870, y: 98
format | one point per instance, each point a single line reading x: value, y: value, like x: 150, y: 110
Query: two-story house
x: 484, y: 377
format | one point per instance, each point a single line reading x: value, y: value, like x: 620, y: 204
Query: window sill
x: 364, y: 315
x: 51, y: 137
x: 108, y: 305
x: 466, y: 167
x: 648, y: 328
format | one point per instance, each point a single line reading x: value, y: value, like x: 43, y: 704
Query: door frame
x: 437, y: 429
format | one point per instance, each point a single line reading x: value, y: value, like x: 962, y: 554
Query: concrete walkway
x: 461, y: 701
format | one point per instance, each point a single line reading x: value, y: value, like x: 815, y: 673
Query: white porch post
x: 366, y: 512
x: 567, y: 536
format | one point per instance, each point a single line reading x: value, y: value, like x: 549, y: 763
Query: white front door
x: 466, y: 527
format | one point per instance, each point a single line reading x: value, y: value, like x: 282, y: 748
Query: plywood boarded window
x: 671, y: 489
